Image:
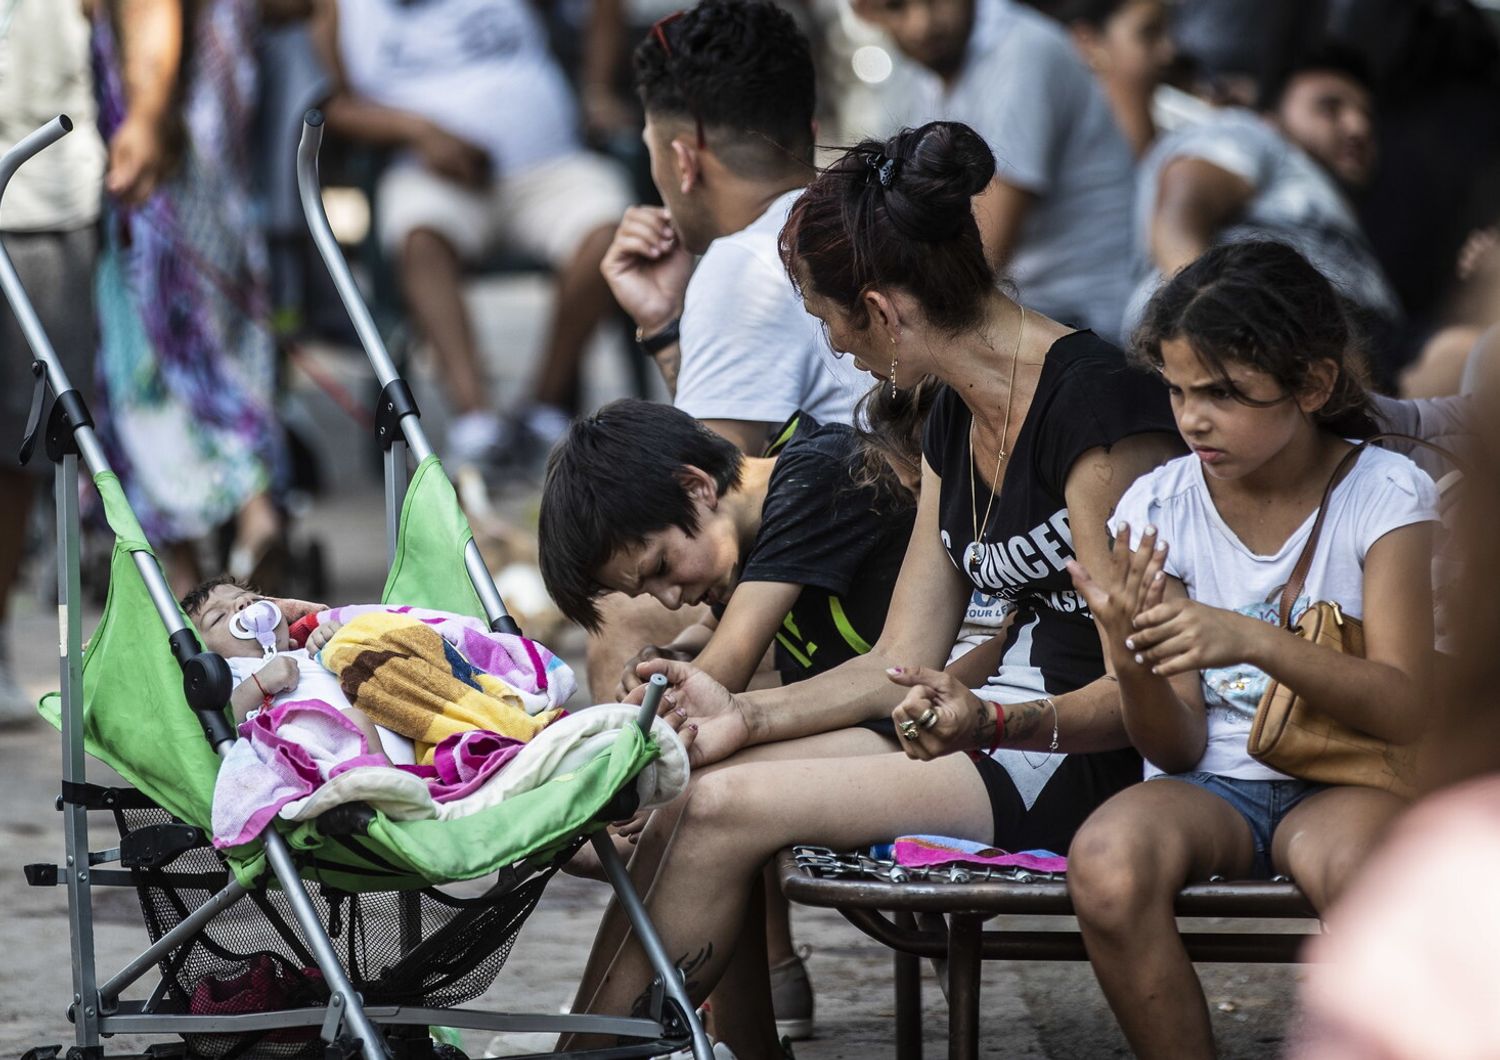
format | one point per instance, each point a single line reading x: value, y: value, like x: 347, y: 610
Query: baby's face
x: 213, y: 623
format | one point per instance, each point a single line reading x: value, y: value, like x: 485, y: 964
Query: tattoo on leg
x: 641, y: 1007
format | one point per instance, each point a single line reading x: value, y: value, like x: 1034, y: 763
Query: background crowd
x: 165, y: 249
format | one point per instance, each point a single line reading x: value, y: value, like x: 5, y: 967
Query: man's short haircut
x: 613, y: 479
x: 1323, y: 57
x: 742, y: 68
x: 193, y: 602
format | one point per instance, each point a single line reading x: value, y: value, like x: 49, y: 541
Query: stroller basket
x: 411, y: 948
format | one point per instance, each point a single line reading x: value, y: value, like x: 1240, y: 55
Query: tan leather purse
x: 1291, y: 735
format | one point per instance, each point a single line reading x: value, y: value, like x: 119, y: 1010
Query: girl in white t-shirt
x: 1251, y: 342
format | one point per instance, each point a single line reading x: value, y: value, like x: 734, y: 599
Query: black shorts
x: 1079, y: 785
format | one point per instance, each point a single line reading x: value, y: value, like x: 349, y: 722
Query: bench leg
x: 964, y: 961
x: 908, y: 998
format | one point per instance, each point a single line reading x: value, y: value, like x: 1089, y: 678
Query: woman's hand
x: 1182, y: 635
x: 137, y: 160
x: 629, y: 679
x: 939, y: 715
x: 1133, y: 582
x: 697, y: 703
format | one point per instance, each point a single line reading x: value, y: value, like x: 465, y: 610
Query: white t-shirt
x: 1295, y: 202
x: 314, y: 681
x: 750, y: 351
x: 44, y: 72
x: 479, y: 68
x: 1383, y: 492
x: 1025, y: 90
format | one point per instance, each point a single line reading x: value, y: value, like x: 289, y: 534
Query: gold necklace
x: 975, y: 550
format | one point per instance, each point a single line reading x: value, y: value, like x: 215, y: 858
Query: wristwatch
x: 651, y: 345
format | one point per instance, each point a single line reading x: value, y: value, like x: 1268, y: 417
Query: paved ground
x: 1036, y: 1010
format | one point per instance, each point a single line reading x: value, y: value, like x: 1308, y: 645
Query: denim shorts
x: 1262, y: 803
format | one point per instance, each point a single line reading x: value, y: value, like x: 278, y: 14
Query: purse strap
x: 1294, y: 584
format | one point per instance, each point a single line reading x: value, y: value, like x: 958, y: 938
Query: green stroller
x: 337, y: 922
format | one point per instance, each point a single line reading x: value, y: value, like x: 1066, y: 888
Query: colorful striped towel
x: 920, y: 851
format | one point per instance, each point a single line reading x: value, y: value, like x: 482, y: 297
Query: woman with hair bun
x: 1037, y: 431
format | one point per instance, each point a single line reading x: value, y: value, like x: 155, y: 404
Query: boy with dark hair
x: 642, y: 499
x: 728, y: 91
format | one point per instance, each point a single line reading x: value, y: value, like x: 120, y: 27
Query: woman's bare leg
x: 736, y: 818
x: 1327, y: 836
x: 1125, y: 867
x: 614, y: 927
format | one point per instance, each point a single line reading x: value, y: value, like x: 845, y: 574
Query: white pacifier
x: 257, y: 622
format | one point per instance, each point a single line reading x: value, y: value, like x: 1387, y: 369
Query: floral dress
x: 187, y: 364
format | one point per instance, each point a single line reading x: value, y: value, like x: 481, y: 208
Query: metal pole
x: 645, y: 933
x: 654, y: 688
x: 75, y: 818
x: 188, y: 926
x: 395, y: 493
x: 311, y: 193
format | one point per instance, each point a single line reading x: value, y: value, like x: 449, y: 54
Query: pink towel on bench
x: 920, y: 851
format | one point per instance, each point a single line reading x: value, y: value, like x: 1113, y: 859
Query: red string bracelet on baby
x: 265, y: 697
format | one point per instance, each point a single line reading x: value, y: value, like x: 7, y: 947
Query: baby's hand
x: 278, y: 675
x: 322, y: 635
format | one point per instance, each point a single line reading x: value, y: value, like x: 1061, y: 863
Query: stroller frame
x: 346, y: 1025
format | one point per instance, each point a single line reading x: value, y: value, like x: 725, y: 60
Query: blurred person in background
x: 50, y: 230
x: 186, y: 361
x: 1056, y: 218
x: 1127, y: 45
x: 1285, y: 173
x: 1418, y: 928
x: 486, y: 130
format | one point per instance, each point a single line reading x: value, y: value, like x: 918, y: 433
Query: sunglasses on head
x: 659, y: 31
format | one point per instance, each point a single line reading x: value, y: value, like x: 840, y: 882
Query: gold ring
x: 929, y: 718
x: 908, y: 729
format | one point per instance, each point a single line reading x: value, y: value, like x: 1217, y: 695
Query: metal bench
x: 946, y: 921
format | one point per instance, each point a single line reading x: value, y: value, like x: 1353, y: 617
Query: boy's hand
x: 647, y: 267
x: 278, y: 675
x: 629, y: 678
x: 321, y: 636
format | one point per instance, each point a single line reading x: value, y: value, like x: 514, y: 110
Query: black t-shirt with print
x: 1087, y: 398
x: 842, y: 542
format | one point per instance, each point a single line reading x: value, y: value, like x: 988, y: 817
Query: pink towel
x: 920, y: 851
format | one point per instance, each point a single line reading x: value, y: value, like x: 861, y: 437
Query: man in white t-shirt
x: 728, y: 92
x: 1285, y: 173
x: 486, y: 130
x: 1057, y: 218
x: 50, y: 228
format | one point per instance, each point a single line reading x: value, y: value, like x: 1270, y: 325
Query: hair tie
x: 883, y: 168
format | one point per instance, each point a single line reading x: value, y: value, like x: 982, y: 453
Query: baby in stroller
x: 268, y: 669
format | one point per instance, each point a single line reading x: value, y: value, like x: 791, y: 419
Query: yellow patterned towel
x: 406, y: 677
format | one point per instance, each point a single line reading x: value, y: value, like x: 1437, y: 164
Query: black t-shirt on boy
x: 842, y: 542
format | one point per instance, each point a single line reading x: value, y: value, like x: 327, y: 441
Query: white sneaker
x: 16, y: 707
x: 473, y: 440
